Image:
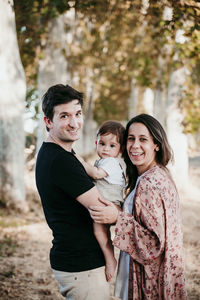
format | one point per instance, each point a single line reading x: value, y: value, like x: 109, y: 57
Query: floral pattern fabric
x: 152, y: 237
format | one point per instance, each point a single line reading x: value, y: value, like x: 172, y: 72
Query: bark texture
x: 13, y: 90
x: 177, y: 138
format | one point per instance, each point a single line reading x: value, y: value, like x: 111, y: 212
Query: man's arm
x: 91, y: 198
x: 101, y: 232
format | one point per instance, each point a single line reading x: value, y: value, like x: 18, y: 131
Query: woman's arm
x: 145, y: 239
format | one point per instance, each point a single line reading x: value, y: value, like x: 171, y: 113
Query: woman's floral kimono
x: 152, y: 236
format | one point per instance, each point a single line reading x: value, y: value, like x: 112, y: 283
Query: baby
x: 109, y: 177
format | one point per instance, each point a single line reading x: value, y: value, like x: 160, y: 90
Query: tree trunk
x: 148, y: 101
x: 52, y: 67
x: 160, y: 105
x: 177, y: 138
x: 133, y: 100
x: 13, y: 90
x: 86, y: 145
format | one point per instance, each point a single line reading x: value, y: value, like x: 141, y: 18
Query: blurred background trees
x: 127, y: 57
x: 13, y: 91
x: 110, y: 43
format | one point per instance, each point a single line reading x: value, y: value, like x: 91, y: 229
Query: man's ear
x: 47, y: 122
x: 96, y: 142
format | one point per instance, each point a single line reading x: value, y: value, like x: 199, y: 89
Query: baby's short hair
x: 113, y: 127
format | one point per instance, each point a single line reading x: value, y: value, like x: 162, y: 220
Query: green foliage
x: 191, y: 108
x: 32, y: 17
x: 115, y: 41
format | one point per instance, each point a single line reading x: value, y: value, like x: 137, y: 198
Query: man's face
x: 65, y: 128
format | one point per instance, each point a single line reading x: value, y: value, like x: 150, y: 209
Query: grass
x: 9, y: 273
x: 8, y: 242
x: 4, y: 223
x: 7, y: 246
x: 8, y: 219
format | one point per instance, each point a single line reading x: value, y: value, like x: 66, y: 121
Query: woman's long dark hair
x: 163, y: 155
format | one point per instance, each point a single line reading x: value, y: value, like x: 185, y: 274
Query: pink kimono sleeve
x: 143, y: 239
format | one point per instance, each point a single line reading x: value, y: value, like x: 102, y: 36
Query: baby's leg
x: 111, y: 262
x: 110, y: 268
x: 102, y: 234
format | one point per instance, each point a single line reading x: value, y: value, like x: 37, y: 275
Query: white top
x: 113, y: 168
x: 121, y: 286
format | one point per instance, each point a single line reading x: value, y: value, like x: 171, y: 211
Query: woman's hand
x: 104, y: 214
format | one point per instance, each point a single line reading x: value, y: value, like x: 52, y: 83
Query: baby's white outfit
x: 111, y: 186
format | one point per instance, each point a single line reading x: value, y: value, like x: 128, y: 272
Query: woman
x: 148, y: 231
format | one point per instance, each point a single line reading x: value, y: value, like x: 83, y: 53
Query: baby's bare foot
x: 110, y: 269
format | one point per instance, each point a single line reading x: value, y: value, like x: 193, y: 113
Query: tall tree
x: 13, y: 90
x: 176, y: 135
x: 52, y: 65
x: 120, y: 41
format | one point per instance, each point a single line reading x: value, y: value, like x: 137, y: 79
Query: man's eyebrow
x: 64, y: 112
x: 67, y: 112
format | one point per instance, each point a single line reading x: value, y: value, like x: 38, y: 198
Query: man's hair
x: 59, y: 94
x: 113, y: 127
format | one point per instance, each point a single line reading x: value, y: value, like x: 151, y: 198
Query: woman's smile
x: 141, y: 148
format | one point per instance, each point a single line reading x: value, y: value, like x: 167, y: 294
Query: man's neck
x: 65, y: 145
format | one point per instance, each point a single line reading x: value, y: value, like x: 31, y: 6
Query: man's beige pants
x: 86, y: 285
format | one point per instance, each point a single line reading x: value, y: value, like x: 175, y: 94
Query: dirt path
x: 190, y: 208
x: 25, y: 272
x: 26, y: 275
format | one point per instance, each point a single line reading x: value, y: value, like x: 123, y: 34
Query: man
x: 66, y: 192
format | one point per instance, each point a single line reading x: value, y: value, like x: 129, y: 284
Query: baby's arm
x: 102, y: 234
x: 94, y: 172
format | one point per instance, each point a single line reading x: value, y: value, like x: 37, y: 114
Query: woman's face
x: 141, y: 148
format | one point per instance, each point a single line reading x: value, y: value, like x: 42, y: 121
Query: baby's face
x: 108, y: 145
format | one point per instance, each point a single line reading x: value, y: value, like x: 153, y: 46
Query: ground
x: 25, y: 240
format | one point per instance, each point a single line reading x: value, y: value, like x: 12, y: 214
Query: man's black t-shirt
x: 60, y: 179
